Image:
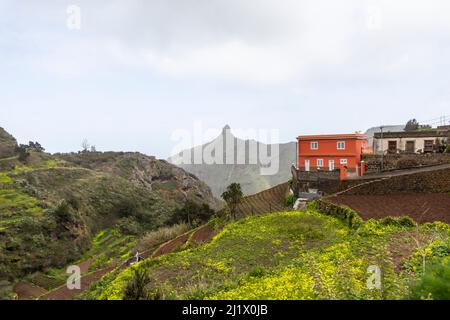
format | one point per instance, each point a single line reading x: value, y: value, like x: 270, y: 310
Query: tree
x: 192, y: 213
x: 23, y: 152
x: 233, y: 196
x: 85, y: 145
x: 35, y: 146
x: 412, y: 125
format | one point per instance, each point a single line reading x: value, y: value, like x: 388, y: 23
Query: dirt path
x: 63, y: 293
x: 84, y: 266
x: 28, y: 291
x: 199, y: 236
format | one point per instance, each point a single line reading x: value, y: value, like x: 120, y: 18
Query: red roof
x: 333, y: 136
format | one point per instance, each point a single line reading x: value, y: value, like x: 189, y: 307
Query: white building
x: 421, y: 141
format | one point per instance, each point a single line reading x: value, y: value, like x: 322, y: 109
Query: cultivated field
x: 296, y: 255
x: 422, y: 207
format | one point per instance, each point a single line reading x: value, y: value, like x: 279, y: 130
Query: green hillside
x: 55, y: 208
x: 294, y: 255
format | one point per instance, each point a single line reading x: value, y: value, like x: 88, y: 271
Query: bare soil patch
x: 422, y: 207
x: 204, y: 234
x: 63, y: 293
x: 171, y: 246
x: 28, y: 291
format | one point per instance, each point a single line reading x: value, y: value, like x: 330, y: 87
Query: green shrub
x: 64, y: 213
x: 289, y: 200
x: 344, y: 213
x: 257, y: 272
x: 435, y: 283
x: 129, y: 226
x: 135, y: 288
x: 398, y: 222
x: 192, y: 213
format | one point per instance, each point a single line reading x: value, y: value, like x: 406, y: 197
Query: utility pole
x: 382, y: 151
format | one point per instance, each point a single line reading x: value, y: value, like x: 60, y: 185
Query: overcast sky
x: 137, y: 71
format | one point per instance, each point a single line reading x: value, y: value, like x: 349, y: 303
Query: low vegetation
x: 300, y: 255
x: 69, y: 208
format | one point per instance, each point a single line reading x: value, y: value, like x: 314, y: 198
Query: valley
x: 98, y: 211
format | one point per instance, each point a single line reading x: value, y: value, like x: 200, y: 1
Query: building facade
x: 422, y: 141
x: 331, y: 152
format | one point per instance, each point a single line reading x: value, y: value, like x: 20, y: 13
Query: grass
x: 109, y: 245
x: 161, y: 235
x: 290, y: 255
x: 49, y: 164
x: 167, y: 186
x: 13, y: 201
x: 5, y: 179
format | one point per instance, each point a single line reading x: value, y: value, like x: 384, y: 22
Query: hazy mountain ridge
x: 246, y: 172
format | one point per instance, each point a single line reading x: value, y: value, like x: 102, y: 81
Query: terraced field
x: 271, y: 200
x: 295, y: 256
x: 422, y: 207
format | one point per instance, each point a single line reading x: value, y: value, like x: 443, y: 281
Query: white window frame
x: 319, y: 163
x: 340, y: 145
x: 316, y: 144
x: 307, y: 165
x: 343, y: 162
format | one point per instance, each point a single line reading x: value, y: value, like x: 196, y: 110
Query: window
x: 344, y: 162
x: 314, y: 145
x: 392, y: 146
x: 319, y: 163
x: 428, y: 146
x: 341, y: 145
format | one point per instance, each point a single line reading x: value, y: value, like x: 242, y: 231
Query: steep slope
x: 248, y: 174
x: 52, y: 206
x: 8, y: 144
x: 169, y: 181
x: 289, y: 255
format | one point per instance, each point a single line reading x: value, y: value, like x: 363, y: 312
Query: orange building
x: 332, y: 152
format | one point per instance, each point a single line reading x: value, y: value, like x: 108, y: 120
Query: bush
x: 289, y: 200
x: 447, y: 149
x: 64, y: 213
x: 129, y: 226
x: 135, y: 289
x: 398, y: 222
x: 435, y: 284
x: 257, y: 272
x: 344, y: 213
x: 192, y: 213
